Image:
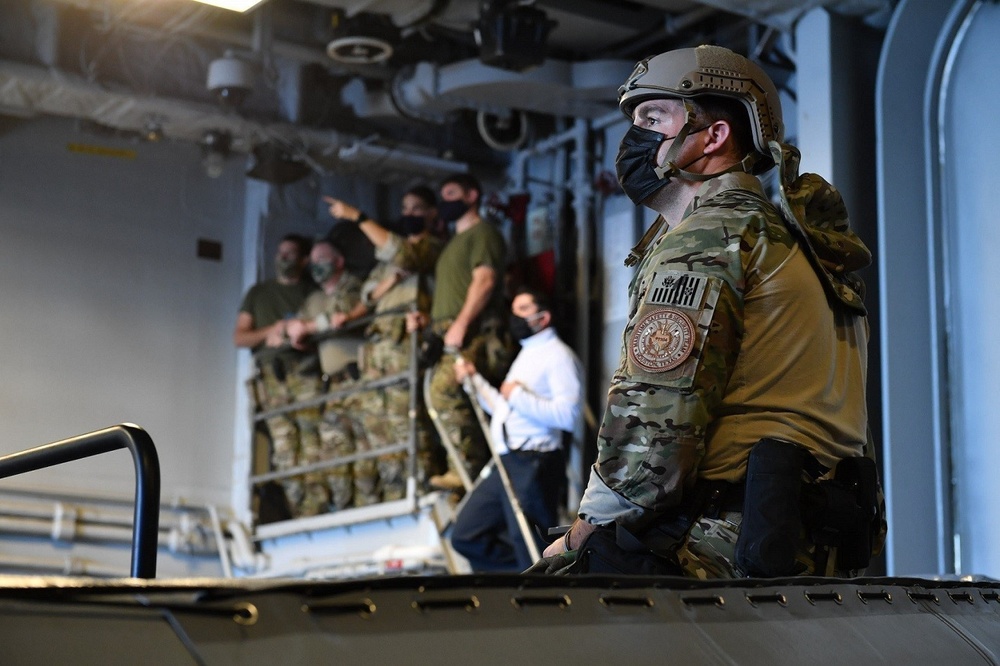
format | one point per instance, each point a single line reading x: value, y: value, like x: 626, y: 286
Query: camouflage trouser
x: 306, y: 496
x: 284, y: 455
x: 366, y: 486
x: 274, y: 392
x: 385, y: 414
x: 336, y: 439
x: 709, y: 551
x: 492, y: 357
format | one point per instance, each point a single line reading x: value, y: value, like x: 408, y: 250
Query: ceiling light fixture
x: 233, y: 5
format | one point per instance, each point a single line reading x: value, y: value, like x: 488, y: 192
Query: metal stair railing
x: 145, y: 527
x: 408, y: 377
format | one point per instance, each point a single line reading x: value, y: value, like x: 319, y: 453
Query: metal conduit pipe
x: 88, y: 515
x: 220, y: 542
x: 582, y: 210
x: 70, y: 529
x: 243, y: 553
x: 559, y: 175
x: 71, y: 566
x: 582, y: 200
x: 546, y: 145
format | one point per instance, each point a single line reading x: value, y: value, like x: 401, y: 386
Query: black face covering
x: 409, y: 225
x: 635, y: 162
x: 520, y: 327
x: 450, y: 211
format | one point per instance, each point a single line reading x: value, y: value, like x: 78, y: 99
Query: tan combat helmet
x: 709, y: 70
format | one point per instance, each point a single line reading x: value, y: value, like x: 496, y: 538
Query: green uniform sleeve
x: 487, y: 249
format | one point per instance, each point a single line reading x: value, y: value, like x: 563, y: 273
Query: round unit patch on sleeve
x: 662, y: 340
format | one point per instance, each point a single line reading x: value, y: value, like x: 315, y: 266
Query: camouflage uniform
x: 731, y: 337
x: 266, y: 303
x: 486, y: 343
x: 274, y: 393
x: 328, y: 431
x: 491, y: 353
x: 385, y: 412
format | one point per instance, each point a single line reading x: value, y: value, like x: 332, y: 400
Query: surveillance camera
x: 231, y: 80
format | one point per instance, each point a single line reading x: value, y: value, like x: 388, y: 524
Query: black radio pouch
x: 772, y: 516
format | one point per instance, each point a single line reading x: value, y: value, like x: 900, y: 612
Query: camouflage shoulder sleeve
x: 418, y: 257
x: 348, y: 294
x: 679, y: 349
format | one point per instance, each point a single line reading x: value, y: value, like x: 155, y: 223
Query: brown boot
x: 447, y: 481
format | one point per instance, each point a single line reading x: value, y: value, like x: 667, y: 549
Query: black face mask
x: 520, y: 327
x: 409, y: 225
x: 450, y: 211
x: 635, y: 163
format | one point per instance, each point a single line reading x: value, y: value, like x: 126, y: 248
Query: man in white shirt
x: 541, y: 396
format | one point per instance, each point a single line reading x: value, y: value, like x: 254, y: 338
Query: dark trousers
x: 486, y: 531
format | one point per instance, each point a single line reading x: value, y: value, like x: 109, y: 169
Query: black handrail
x: 145, y: 530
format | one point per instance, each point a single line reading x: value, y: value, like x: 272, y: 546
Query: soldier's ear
x: 716, y: 136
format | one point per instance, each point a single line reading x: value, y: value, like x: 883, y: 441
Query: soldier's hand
x: 338, y: 319
x: 557, y: 547
x: 572, y: 539
x: 454, y: 337
x: 341, y: 210
x: 415, y: 321
x: 297, y: 333
x: 276, y: 334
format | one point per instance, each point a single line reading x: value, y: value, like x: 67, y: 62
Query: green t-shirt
x: 482, y: 245
x: 269, y: 301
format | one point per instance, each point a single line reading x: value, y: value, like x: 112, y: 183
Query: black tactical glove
x: 553, y: 565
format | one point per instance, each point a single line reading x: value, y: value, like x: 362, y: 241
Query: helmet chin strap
x: 670, y: 168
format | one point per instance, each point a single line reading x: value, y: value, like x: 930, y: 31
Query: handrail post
x: 146, y: 521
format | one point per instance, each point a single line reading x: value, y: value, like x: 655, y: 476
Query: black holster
x: 840, y: 513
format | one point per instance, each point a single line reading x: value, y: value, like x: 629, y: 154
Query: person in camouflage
x: 745, y: 324
x: 261, y: 326
x: 328, y: 431
x: 407, y: 253
x: 466, y: 313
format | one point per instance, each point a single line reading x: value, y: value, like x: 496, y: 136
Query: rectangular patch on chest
x: 679, y: 289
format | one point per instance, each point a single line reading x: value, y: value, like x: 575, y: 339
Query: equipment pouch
x: 600, y: 553
x: 843, y: 512
x: 431, y: 349
x: 772, y: 518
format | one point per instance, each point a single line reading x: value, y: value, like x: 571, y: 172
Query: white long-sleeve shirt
x: 548, y: 399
